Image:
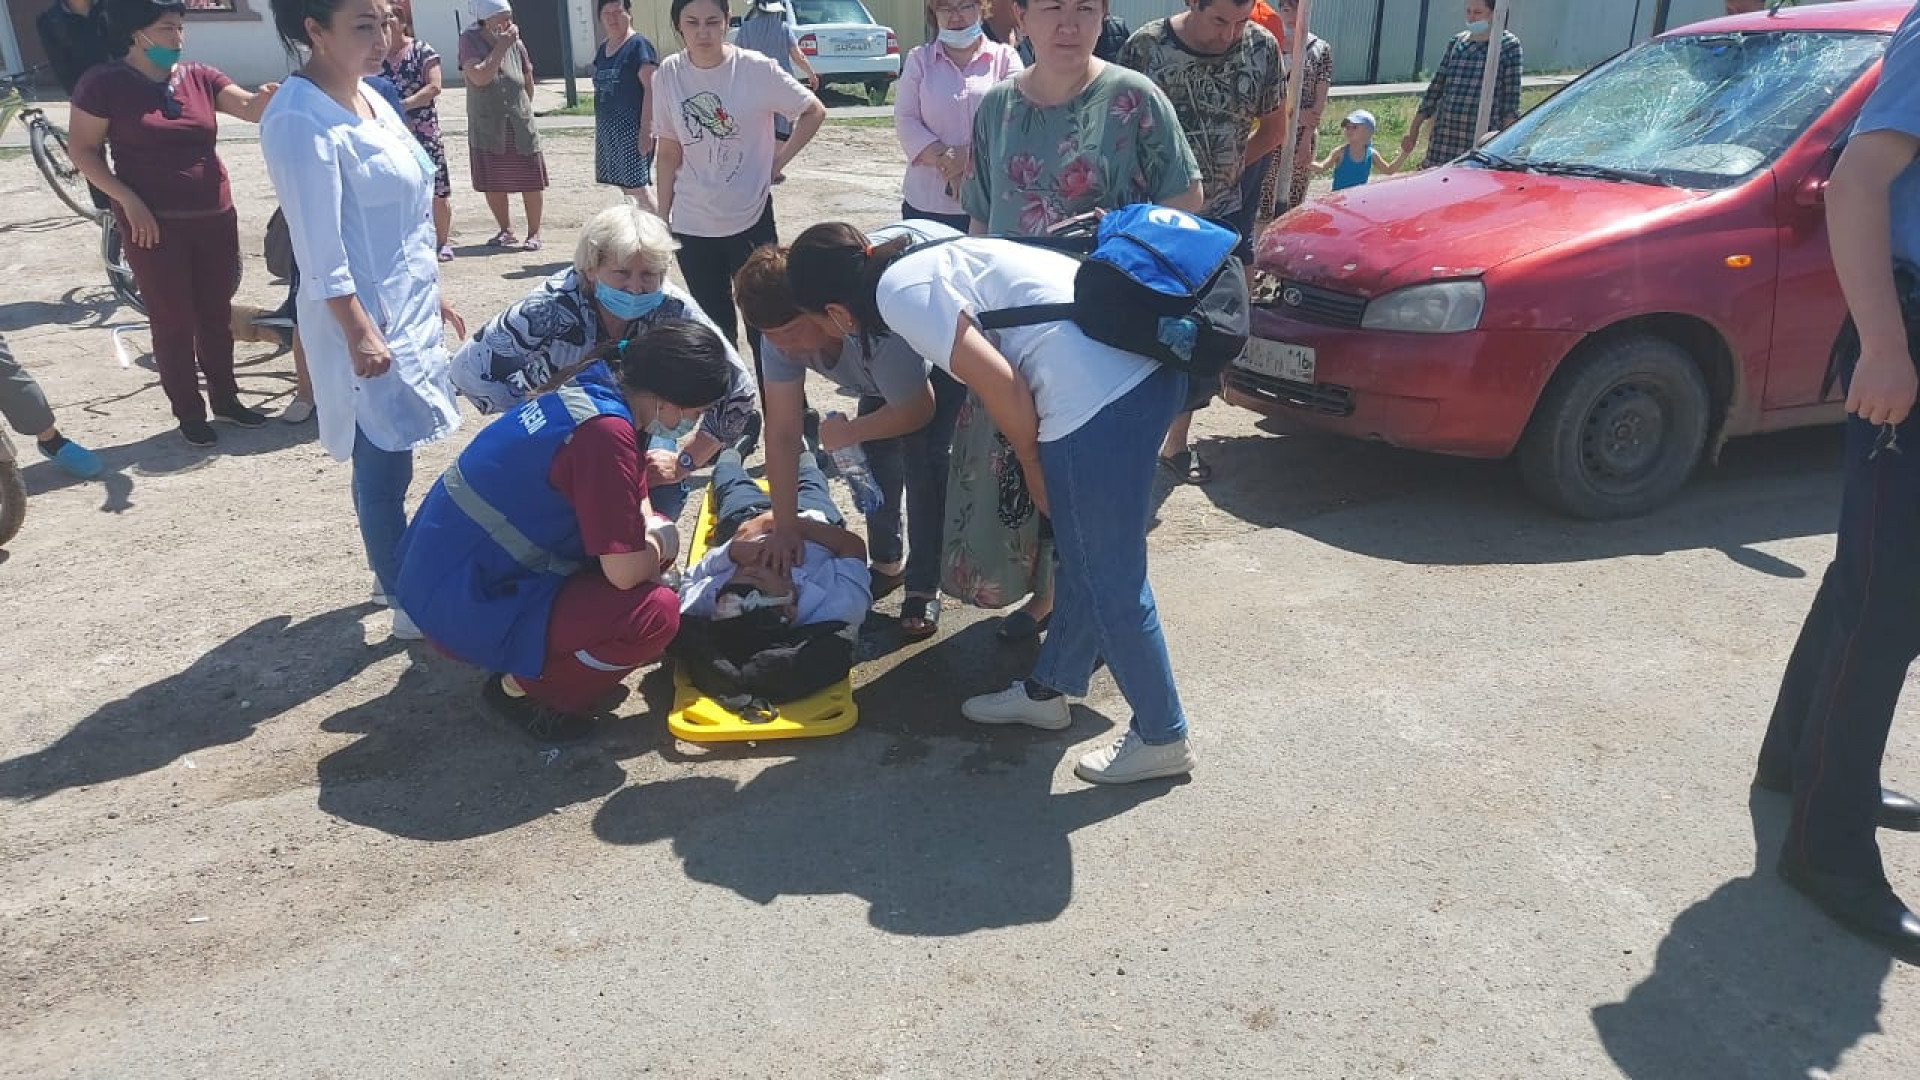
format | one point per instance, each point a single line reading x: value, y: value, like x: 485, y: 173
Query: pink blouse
x: 935, y: 103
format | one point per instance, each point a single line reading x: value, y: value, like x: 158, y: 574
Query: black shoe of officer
x: 1897, y: 811
x: 1866, y: 907
x: 749, y: 440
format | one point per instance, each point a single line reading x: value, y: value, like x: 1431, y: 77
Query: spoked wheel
x: 50, y: 154
x: 113, y: 253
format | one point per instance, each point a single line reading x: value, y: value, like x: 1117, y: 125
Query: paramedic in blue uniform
x: 1843, y: 681
x: 537, y: 556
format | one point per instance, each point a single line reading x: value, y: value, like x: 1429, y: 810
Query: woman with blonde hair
x: 616, y: 288
x: 941, y: 86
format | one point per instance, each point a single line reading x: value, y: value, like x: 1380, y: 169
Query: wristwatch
x: 686, y: 464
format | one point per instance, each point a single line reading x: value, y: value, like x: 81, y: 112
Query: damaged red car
x: 1632, y: 273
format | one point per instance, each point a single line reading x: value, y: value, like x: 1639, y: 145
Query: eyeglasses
x: 943, y: 10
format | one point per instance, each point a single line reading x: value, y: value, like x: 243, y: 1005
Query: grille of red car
x: 1311, y: 303
x: 1320, y: 397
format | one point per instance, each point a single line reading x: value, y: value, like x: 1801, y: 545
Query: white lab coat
x: 358, y: 197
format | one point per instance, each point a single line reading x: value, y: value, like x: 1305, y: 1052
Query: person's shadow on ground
x: 434, y: 765
x: 267, y: 669
x: 942, y: 827
x: 1752, y: 982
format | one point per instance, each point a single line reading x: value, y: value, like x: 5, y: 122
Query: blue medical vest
x: 490, y: 547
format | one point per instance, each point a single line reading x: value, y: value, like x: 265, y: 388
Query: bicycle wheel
x: 50, y: 153
x: 119, y: 274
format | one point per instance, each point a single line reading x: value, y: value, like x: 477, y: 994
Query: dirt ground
x: 1472, y: 801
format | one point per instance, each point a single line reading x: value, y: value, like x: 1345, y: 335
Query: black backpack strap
x: 1025, y: 315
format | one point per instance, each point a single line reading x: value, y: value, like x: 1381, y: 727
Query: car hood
x: 1451, y: 222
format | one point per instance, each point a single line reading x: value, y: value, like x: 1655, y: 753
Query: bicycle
x: 47, y: 142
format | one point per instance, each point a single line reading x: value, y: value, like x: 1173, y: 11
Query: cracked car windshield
x: 1704, y: 111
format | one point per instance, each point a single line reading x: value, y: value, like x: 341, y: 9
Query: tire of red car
x: 1619, y: 429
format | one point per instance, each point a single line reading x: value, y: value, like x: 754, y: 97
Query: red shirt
x: 600, y: 474
x: 170, y: 164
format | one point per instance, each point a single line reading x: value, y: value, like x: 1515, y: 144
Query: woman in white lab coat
x: 358, y: 195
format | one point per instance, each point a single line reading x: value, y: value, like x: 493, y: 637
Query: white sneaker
x: 1128, y: 759
x: 1013, y: 706
x: 403, y: 628
x: 297, y: 412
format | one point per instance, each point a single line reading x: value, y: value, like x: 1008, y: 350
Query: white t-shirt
x: 1072, y: 376
x: 722, y: 117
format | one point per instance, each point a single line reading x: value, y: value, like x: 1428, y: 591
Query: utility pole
x: 1662, y: 9
x: 566, y: 51
x: 1296, y: 95
x: 1490, y: 77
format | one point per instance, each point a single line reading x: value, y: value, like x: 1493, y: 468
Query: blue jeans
x: 917, y: 463
x: 667, y: 499
x: 1100, y: 487
x: 380, y: 481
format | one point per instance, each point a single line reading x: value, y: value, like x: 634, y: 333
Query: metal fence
x: 1401, y: 40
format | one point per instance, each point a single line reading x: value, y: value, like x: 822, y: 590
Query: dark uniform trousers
x: 1836, y: 703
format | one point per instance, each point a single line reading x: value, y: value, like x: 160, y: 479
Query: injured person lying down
x: 753, y: 635
x: 734, y: 579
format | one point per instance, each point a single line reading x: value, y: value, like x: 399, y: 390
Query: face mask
x: 626, y: 305
x: 161, y: 56
x: 961, y: 39
x: 677, y: 432
x: 1480, y: 27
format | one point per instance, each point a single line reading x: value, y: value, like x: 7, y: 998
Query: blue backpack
x: 1154, y: 281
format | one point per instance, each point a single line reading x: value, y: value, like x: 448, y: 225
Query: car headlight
x: 1444, y: 307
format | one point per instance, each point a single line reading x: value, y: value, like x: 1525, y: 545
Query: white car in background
x: 844, y: 44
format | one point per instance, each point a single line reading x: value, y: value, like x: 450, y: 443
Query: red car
x: 1633, y: 272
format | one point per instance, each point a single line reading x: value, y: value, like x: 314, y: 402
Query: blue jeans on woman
x: 1100, y: 490
x: 916, y: 462
x: 380, y: 481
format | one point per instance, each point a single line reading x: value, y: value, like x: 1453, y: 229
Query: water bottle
x: 851, y: 462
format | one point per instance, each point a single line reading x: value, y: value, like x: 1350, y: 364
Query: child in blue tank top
x: 1353, y: 161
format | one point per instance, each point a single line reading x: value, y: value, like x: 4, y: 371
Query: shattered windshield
x: 1698, y: 111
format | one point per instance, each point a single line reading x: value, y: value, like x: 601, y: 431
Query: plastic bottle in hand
x: 851, y: 462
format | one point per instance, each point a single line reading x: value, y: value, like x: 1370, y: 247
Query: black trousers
x: 709, y: 263
x: 738, y: 500
x: 914, y: 465
x: 1837, y: 699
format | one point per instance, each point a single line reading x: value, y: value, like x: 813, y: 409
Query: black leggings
x: 709, y: 263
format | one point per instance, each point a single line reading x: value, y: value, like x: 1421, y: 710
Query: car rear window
x: 807, y: 12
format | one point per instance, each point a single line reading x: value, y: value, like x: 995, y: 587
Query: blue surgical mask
x: 961, y: 39
x: 677, y: 432
x: 1481, y: 26
x: 626, y: 305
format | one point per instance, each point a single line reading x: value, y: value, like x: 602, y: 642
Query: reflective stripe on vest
x: 579, y: 404
x: 515, y: 543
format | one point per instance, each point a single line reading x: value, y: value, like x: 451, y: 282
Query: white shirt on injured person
x: 826, y: 589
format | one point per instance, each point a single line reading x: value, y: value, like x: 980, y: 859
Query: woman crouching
x: 1084, y: 420
x: 537, y: 555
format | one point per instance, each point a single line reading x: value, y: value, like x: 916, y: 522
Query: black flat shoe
x: 542, y: 723
x: 1897, y: 811
x: 1867, y: 908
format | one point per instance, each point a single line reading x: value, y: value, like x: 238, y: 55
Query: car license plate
x: 1278, y: 360
x: 845, y: 47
